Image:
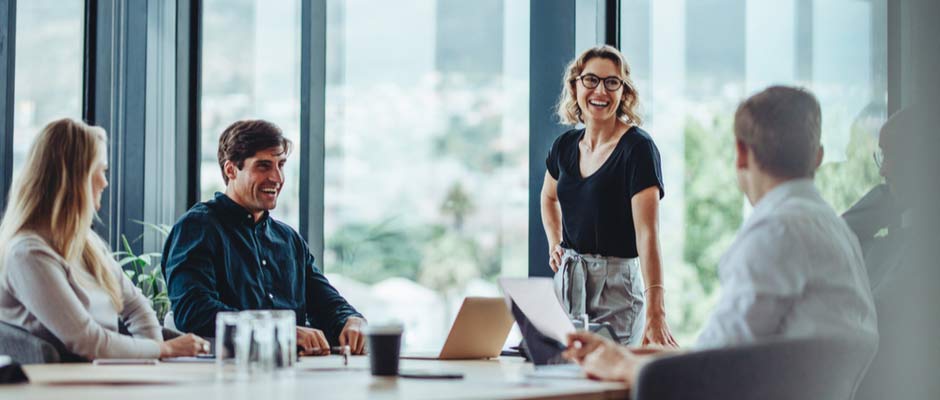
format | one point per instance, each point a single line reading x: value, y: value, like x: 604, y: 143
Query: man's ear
x: 230, y: 170
x: 819, y: 156
x: 741, y: 151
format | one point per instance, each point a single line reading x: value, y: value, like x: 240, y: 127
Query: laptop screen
x: 542, y: 349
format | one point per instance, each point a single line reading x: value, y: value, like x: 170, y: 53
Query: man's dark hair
x: 243, y: 139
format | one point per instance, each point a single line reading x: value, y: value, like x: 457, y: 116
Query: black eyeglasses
x: 879, y: 157
x: 590, y: 81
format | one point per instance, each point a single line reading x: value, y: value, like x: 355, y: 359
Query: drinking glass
x: 285, y: 338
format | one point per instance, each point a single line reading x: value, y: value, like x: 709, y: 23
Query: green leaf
x: 163, y: 229
x: 124, y: 261
x: 127, y: 247
x: 142, y: 272
x: 147, y: 259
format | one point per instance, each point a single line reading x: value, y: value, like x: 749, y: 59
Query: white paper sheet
x: 536, y: 298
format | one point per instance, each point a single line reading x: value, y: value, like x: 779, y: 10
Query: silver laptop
x: 480, y: 330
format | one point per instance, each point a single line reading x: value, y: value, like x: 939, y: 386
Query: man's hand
x: 352, y: 335
x: 312, y: 341
x: 601, y: 358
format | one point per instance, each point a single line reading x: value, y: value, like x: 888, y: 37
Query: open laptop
x: 543, y: 350
x: 480, y: 330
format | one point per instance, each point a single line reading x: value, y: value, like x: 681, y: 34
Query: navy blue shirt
x: 217, y: 258
x: 596, y: 210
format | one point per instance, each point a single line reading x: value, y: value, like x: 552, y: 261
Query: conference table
x: 312, y: 378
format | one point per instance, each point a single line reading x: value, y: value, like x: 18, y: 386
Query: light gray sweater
x: 41, y: 292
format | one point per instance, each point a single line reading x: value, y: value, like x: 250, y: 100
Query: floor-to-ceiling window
x: 49, y: 59
x: 426, y: 155
x: 251, y: 70
x: 694, y: 61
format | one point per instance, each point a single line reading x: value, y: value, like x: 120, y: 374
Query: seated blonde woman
x: 56, y: 277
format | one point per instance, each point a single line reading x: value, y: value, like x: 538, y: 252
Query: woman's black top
x: 597, y: 217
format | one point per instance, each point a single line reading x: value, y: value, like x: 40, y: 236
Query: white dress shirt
x: 795, y: 270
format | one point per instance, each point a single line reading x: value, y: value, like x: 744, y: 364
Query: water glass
x: 226, y: 327
x: 259, y: 343
x: 285, y: 338
x: 255, y: 343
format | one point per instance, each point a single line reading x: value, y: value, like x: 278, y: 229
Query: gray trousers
x: 607, y: 289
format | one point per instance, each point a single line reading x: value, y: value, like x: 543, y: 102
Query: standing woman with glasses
x: 600, y: 203
x: 57, y: 279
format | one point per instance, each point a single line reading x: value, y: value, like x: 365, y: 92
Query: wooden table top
x: 314, y: 377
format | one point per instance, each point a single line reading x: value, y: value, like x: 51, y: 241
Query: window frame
x: 7, y: 82
x: 116, y: 84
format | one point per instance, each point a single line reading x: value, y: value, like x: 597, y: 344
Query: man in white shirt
x: 795, y: 269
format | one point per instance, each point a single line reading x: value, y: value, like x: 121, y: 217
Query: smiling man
x: 228, y: 254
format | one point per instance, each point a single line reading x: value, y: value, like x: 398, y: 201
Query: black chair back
x: 24, y: 347
x: 780, y: 369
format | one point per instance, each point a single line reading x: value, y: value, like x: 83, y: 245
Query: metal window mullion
x: 552, y: 43
x: 804, y: 41
x: 894, y: 54
x: 7, y: 85
x: 159, y: 201
x: 96, y: 108
x: 188, y: 103
x: 134, y: 120
x: 312, y: 123
x: 116, y: 88
x: 611, y: 23
x: 119, y: 101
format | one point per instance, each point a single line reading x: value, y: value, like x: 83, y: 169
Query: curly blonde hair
x: 569, y: 112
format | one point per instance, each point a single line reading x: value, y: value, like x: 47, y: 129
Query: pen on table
x: 344, y: 350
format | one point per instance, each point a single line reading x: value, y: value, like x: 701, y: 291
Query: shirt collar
x: 802, y: 187
x: 235, y: 212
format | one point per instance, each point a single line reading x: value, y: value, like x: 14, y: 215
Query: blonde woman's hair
x: 53, y: 194
x: 567, y: 108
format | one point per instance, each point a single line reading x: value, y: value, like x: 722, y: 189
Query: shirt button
x: 270, y: 296
x: 264, y: 262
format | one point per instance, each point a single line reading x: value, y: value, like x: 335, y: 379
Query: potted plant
x: 144, y: 271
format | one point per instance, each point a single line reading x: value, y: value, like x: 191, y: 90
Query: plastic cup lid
x: 389, y: 328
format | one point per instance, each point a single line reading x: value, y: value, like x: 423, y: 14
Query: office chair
x: 779, y: 369
x: 26, y: 348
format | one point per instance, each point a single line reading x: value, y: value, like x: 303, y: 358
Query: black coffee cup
x: 384, y: 342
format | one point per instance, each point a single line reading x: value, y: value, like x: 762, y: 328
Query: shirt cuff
x: 150, y: 349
